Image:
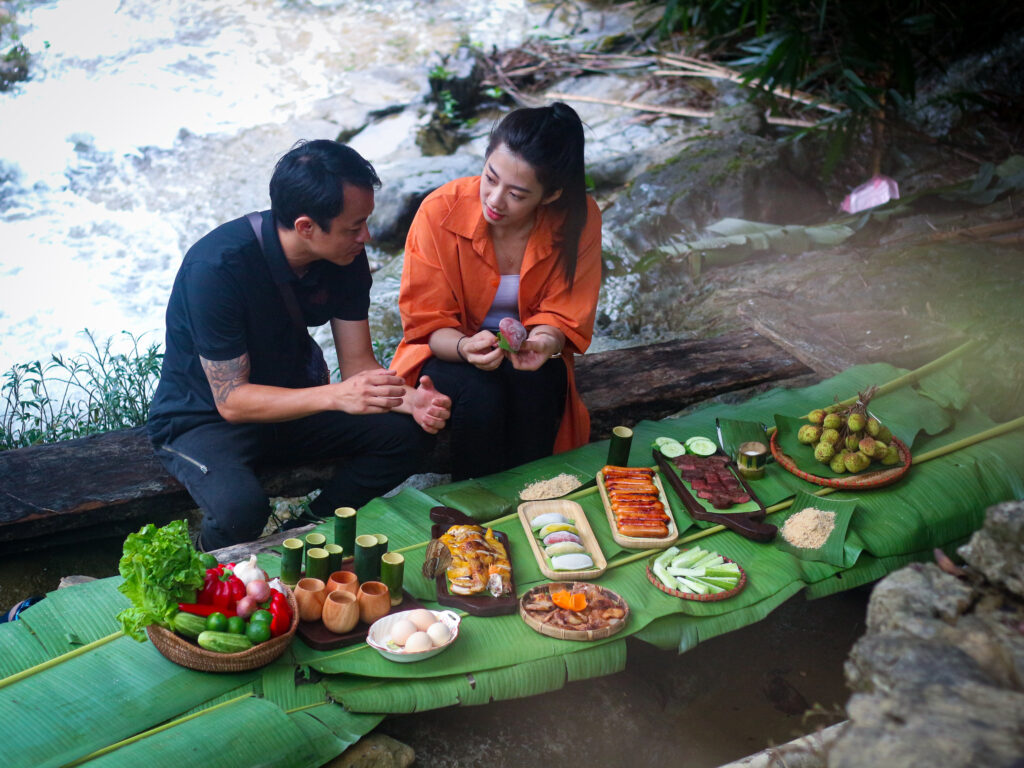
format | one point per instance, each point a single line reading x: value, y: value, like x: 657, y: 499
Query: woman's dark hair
x: 550, y: 139
x: 309, y: 181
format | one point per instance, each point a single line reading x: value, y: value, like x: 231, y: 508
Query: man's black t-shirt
x: 226, y: 302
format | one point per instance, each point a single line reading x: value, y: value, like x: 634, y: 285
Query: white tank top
x: 506, y: 303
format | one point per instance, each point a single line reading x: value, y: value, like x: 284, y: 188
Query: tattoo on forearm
x: 225, y: 375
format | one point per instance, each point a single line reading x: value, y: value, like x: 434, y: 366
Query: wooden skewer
x: 678, y: 111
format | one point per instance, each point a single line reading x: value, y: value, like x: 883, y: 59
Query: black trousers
x: 500, y: 418
x: 218, y: 462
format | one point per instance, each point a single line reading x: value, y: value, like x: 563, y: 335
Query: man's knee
x: 234, y: 513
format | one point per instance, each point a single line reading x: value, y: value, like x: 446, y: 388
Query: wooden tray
x: 638, y: 542
x: 699, y: 598
x: 528, y: 510
x: 572, y: 634
x: 484, y: 604
x: 320, y: 638
x: 750, y: 524
x: 859, y: 481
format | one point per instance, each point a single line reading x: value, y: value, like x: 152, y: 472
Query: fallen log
x: 110, y: 484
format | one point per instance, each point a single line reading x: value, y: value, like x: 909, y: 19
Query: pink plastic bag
x: 874, y: 192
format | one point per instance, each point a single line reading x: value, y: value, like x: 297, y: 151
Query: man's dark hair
x: 309, y: 181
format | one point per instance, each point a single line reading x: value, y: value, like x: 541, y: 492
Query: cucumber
x: 223, y: 642
x: 671, y: 448
x: 189, y: 625
x: 702, y: 446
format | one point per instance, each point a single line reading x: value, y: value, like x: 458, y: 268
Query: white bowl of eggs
x: 413, y: 635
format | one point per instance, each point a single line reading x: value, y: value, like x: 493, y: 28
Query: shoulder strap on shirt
x: 287, y: 292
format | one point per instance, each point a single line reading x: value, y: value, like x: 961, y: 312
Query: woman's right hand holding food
x: 482, y: 350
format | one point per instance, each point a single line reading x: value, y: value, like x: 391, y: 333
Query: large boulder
x: 937, y: 677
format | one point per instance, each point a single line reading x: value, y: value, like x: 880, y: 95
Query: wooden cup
x: 343, y: 581
x: 374, y: 601
x: 341, y: 611
x: 310, y: 595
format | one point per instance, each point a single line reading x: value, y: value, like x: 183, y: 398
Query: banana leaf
x: 121, y: 689
x: 833, y: 551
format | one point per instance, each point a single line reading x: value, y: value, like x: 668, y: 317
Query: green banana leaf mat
x: 120, y: 703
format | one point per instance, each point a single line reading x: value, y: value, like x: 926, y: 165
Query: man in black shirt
x: 242, y: 380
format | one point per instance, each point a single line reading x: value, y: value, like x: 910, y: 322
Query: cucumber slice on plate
x: 702, y: 446
x: 671, y: 448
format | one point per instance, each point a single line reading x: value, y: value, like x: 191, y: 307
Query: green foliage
x: 97, y: 391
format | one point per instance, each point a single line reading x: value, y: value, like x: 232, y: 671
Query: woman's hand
x: 542, y: 343
x: 482, y: 350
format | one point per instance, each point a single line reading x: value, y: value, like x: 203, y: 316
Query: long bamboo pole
x: 59, y: 659
x: 151, y: 731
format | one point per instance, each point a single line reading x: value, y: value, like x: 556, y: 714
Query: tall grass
x: 96, y: 391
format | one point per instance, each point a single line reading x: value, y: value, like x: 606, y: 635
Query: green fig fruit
x: 853, y: 440
x: 838, y: 463
x: 884, y: 434
x: 867, y: 446
x: 830, y: 436
x: 892, y: 456
x: 816, y: 416
x: 873, y: 426
x: 832, y: 421
x: 824, y: 452
x: 808, y: 434
x: 881, y: 449
x: 855, y: 422
x: 856, y: 461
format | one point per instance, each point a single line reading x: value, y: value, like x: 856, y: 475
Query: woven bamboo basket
x: 708, y: 598
x: 863, y: 480
x: 573, y: 634
x: 187, y: 654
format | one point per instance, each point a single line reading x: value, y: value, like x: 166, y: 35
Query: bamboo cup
x: 345, y: 530
x: 317, y: 564
x: 392, y: 573
x: 618, y: 448
x: 367, y: 561
x: 382, y: 543
x: 291, y: 561
x: 334, y: 557
x: 314, y: 539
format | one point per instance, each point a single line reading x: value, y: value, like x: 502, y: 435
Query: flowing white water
x: 146, y: 124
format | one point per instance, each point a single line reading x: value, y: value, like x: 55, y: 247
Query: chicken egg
x: 422, y: 618
x: 418, y: 641
x: 401, y: 630
x: 439, y: 633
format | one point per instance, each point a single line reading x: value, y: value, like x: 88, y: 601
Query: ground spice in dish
x: 559, y: 485
x: 809, y: 528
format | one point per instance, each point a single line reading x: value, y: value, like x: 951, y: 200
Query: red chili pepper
x: 204, y: 609
x: 281, y: 614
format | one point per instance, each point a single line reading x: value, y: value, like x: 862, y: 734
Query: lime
x: 701, y: 446
x: 258, y: 631
x: 208, y: 560
x: 236, y: 625
x: 262, y: 615
x: 217, y: 622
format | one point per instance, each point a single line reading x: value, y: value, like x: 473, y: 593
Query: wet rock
x: 405, y: 186
x: 375, y: 751
x: 938, y: 675
x: 996, y: 549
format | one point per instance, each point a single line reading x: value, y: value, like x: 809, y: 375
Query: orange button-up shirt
x: 451, y: 275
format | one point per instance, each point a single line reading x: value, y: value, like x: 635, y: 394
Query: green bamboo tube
x: 345, y: 530
x: 314, y: 539
x: 382, y: 544
x: 367, y: 561
x: 334, y: 557
x: 291, y: 561
x: 619, y: 445
x: 317, y: 564
x: 392, y: 573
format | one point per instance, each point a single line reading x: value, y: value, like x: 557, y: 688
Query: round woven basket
x: 187, y: 654
x: 708, y: 598
x: 863, y: 480
x: 572, y: 634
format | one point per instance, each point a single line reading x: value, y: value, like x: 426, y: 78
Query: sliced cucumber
x: 671, y: 448
x: 702, y: 446
x: 663, y: 439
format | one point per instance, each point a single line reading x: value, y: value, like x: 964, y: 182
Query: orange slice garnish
x: 571, y: 602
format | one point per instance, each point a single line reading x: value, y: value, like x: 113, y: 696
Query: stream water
x: 146, y: 124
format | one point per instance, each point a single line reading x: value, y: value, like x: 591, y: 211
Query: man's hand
x: 372, y: 391
x: 429, y: 408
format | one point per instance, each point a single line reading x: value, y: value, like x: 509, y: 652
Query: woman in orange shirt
x: 521, y: 240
